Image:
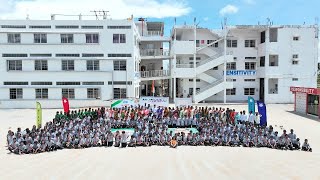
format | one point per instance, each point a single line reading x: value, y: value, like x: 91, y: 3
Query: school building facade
x: 92, y: 62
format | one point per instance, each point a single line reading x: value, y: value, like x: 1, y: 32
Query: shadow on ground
x: 308, y: 116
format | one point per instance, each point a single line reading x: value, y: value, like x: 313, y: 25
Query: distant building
x: 92, y: 62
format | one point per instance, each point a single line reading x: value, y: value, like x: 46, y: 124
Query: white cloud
x: 119, y: 9
x: 205, y: 18
x: 228, y: 9
x: 250, y: 1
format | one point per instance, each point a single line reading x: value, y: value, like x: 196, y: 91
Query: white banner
x: 158, y: 101
x: 123, y: 103
x: 182, y: 102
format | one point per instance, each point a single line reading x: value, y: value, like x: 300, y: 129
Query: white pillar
x: 225, y: 60
x: 195, y: 64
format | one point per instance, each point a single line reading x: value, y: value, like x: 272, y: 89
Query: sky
x: 208, y: 13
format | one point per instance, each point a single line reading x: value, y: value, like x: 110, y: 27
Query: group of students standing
x: 93, y: 128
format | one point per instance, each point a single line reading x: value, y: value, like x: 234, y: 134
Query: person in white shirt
x: 132, y: 142
x: 257, y: 119
x: 306, y: 146
x: 244, y: 117
x: 251, y: 118
x: 124, y: 137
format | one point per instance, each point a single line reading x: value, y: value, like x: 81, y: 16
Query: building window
x: 119, y: 65
x: 295, y: 56
x: 295, y: 62
x: 249, y: 91
x: 250, y: 43
x: 66, y: 38
x: 41, y: 65
x: 41, y: 93
x: 40, y: 38
x: 263, y: 37
x: 296, y: 38
x: 232, y: 43
x: 252, y: 58
x: 67, y: 55
x: 68, y: 83
x: 249, y: 80
x: 40, y: 27
x: 262, y: 61
x: 197, y: 58
x: 120, y: 82
x: 295, y: 79
x: 15, y: 83
x: 13, y: 26
x: 273, y: 35
x: 14, y: 55
x: 213, y: 45
x: 68, y: 93
x: 119, y: 55
x: 14, y: 65
x: 231, y: 92
x: 93, y: 93
x: 191, y: 90
x: 232, y: 66
x: 16, y: 93
x: 119, y: 27
x: 14, y: 38
x: 91, y: 27
x: 93, y: 65
x: 67, y: 65
x: 39, y: 83
x: 250, y: 65
x: 119, y: 38
x: 92, y: 55
x: 197, y: 43
x: 93, y: 83
x: 119, y: 93
x: 197, y: 80
x: 40, y: 55
x: 92, y: 38
x: 273, y: 60
x: 67, y: 27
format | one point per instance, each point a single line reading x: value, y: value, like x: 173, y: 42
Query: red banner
x: 304, y: 90
x: 65, y: 103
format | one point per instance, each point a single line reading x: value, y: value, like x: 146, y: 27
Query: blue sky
x: 250, y: 12
x: 209, y: 13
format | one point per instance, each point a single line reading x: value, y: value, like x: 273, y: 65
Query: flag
x: 251, y: 105
x: 65, y: 103
x: 152, y: 88
x: 262, y: 109
x: 39, y: 115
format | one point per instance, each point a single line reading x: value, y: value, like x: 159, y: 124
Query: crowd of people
x: 93, y: 127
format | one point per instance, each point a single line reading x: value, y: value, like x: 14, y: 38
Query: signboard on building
x: 241, y: 72
x: 158, y: 101
x: 183, y: 102
x: 304, y: 90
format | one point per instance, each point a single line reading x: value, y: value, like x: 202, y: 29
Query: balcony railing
x: 153, y: 33
x: 154, y: 52
x: 154, y: 73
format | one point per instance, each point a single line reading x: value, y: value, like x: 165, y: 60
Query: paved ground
x: 163, y: 162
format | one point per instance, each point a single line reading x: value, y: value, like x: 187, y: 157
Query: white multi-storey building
x: 92, y: 62
x: 241, y: 61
